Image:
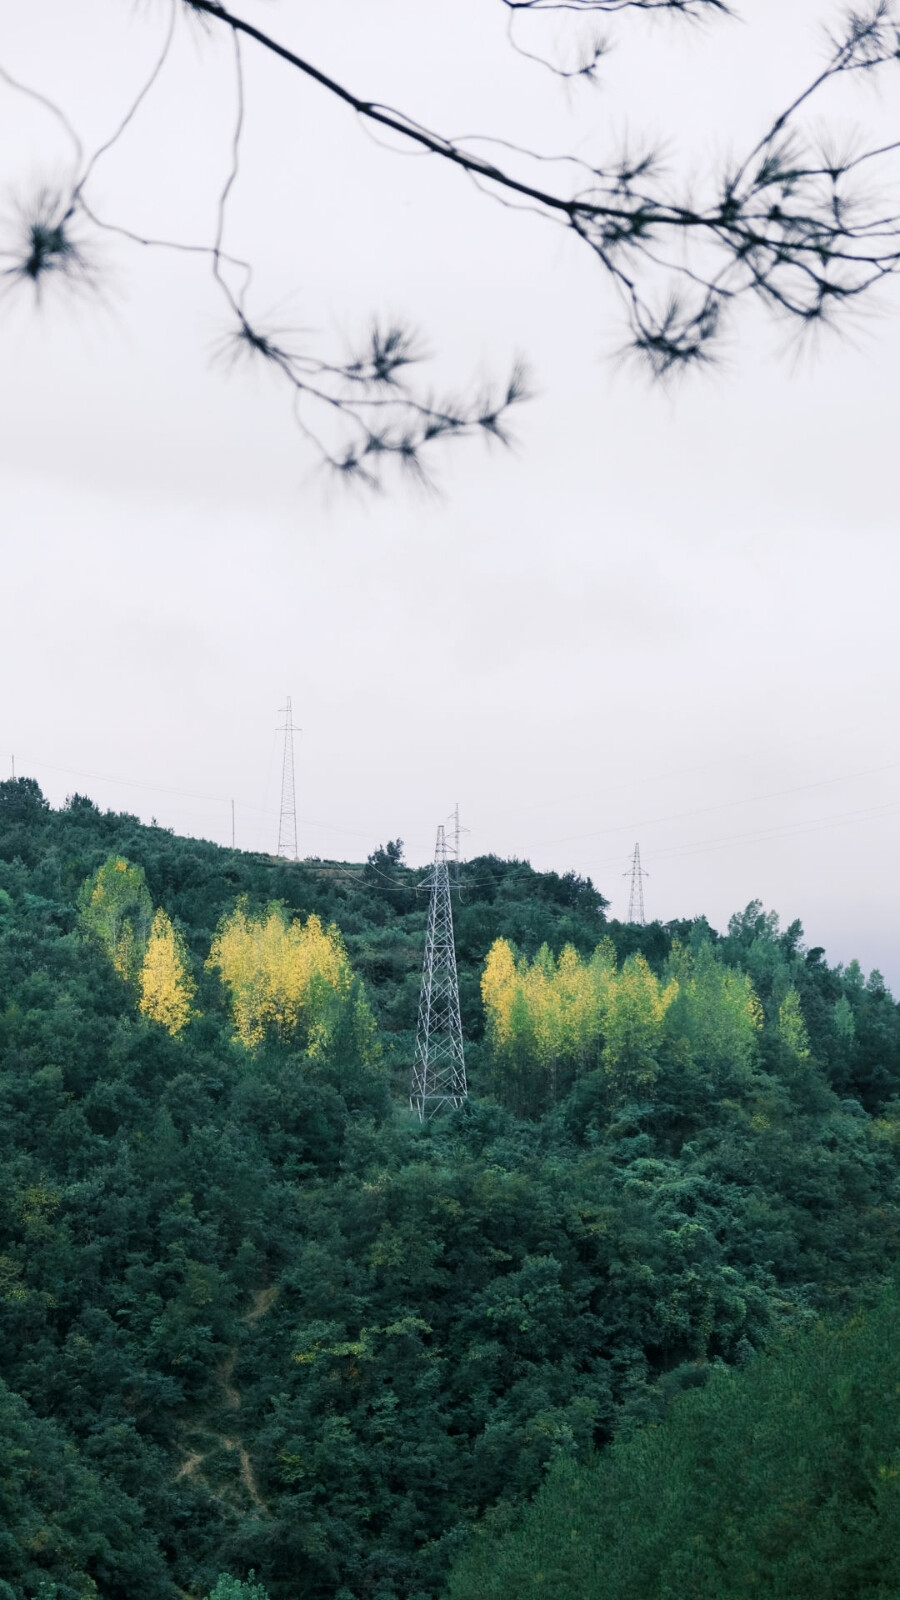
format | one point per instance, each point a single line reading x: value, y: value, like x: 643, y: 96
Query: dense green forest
x: 255, y: 1319
x: 779, y: 1480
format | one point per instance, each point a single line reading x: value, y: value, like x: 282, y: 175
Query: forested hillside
x: 778, y: 1481
x: 253, y: 1316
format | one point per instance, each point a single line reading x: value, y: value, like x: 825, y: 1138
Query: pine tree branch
x: 783, y: 226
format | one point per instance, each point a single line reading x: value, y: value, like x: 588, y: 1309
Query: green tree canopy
x: 779, y: 1480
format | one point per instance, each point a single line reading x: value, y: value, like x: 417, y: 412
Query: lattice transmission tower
x: 439, y: 1066
x: 636, y: 893
x: 453, y: 850
x: 287, y: 821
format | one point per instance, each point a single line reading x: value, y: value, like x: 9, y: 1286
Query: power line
x: 627, y: 823
x: 196, y: 794
x: 749, y: 836
x: 782, y: 830
x: 643, y: 781
x: 724, y: 805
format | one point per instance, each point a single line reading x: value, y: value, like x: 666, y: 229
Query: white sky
x: 668, y: 616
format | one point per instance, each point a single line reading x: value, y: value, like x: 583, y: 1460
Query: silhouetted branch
x: 684, y: 8
x: 590, y: 51
x: 778, y: 225
x: 136, y: 103
x: 785, y: 226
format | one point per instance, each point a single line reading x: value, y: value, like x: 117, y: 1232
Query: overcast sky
x: 667, y: 616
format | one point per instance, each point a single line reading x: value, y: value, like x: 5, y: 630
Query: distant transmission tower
x: 454, y: 848
x: 439, y: 1067
x: 636, y: 896
x: 287, y: 822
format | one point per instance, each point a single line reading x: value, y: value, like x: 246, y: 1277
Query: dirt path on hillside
x: 262, y: 1301
x: 189, y: 1467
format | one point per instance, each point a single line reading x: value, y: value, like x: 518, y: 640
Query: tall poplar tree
x: 115, y: 908
x: 166, y: 983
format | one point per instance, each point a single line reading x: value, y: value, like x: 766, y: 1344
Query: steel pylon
x: 636, y: 896
x: 287, y: 820
x: 439, y: 1067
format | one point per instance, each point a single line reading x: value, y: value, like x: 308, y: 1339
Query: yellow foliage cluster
x: 145, y: 949
x: 279, y: 973
x: 569, y: 1010
x: 575, y: 1014
x: 115, y: 908
x: 633, y: 1016
x: 548, y: 1006
x: 282, y: 976
x: 167, y: 988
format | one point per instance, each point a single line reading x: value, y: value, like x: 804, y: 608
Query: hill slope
x: 263, y: 1319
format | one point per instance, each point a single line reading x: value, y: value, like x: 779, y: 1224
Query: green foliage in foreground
x: 780, y: 1480
x: 228, y: 1588
x: 253, y: 1317
x: 59, y: 1519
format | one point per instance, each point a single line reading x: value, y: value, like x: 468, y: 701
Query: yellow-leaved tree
x: 288, y: 978
x: 499, y: 990
x: 633, y: 1015
x: 541, y: 1021
x: 551, y: 1019
x: 166, y: 983
x: 114, y: 907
